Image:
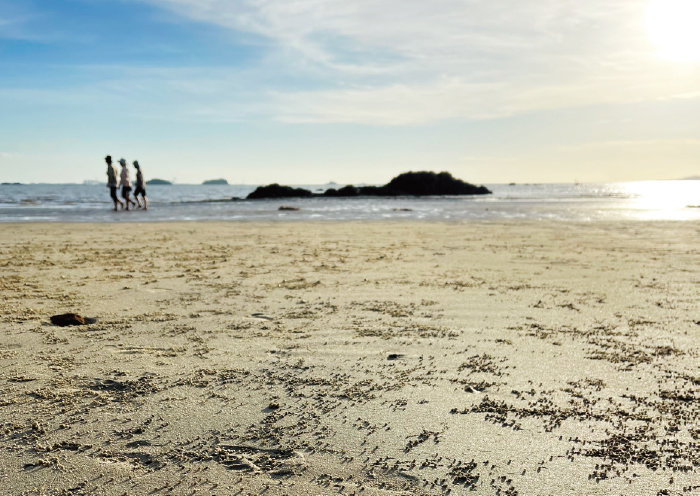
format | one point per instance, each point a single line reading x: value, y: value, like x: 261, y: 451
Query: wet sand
x: 351, y: 358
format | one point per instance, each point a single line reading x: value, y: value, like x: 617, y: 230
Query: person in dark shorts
x: 140, y: 187
x: 125, y: 183
x: 112, y: 182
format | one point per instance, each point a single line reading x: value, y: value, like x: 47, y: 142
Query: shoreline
x: 329, y: 221
x: 560, y: 202
x: 372, y: 357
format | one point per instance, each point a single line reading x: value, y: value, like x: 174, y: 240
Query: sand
x: 351, y: 358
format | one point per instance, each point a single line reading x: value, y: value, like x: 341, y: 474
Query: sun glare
x: 674, y: 28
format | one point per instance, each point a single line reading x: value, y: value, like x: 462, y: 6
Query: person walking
x: 140, y: 187
x: 112, y: 182
x: 125, y: 183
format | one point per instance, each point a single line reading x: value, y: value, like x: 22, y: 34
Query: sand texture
x: 373, y: 358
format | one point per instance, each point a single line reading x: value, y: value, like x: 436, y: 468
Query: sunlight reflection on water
x: 672, y: 200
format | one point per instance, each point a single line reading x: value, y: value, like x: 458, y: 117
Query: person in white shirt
x: 125, y: 184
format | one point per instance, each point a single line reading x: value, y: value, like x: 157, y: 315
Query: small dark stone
x: 291, y: 209
x: 70, y: 319
x: 394, y: 356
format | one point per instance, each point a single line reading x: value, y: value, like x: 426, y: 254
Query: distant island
x: 407, y: 184
x: 158, y: 182
x: 216, y: 181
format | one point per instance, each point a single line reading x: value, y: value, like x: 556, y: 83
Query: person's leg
x: 113, y: 194
x: 145, y: 202
x: 125, y: 195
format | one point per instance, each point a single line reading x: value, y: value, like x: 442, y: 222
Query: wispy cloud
x: 637, y: 145
x: 16, y: 21
x: 409, y: 61
x: 457, y: 31
x: 399, y: 62
x: 8, y: 155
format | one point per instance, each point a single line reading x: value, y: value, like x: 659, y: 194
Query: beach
x: 380, y: 357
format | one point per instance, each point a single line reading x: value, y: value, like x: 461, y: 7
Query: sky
x: 351, y: 91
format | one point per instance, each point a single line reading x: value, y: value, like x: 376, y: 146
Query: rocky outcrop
x: 277, y: 191
x: 430, y: 183
x: 407, y: 184
x: 349, y: 190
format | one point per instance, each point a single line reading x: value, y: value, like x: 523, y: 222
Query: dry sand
x: 350, y: 358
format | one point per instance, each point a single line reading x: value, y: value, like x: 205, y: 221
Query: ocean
x: 644, y: 200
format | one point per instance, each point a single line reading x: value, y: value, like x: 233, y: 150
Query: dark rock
x: 430, y: 183
x: 286, y: 208
x: 407, y: 184
x: 394, y: 356
x: 71, y: 319
x: 349, y: 190
x: 376, y: 191
x: 277, y: 191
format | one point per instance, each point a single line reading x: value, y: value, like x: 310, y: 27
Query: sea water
x: 647, y: 200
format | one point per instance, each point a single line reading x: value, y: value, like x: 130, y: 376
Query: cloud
x: 406, y: 62
x: 396, y: 62
x: 16, y: 21
x: 449, y: 98
x: 427, y: 32
x: 641, y: 146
